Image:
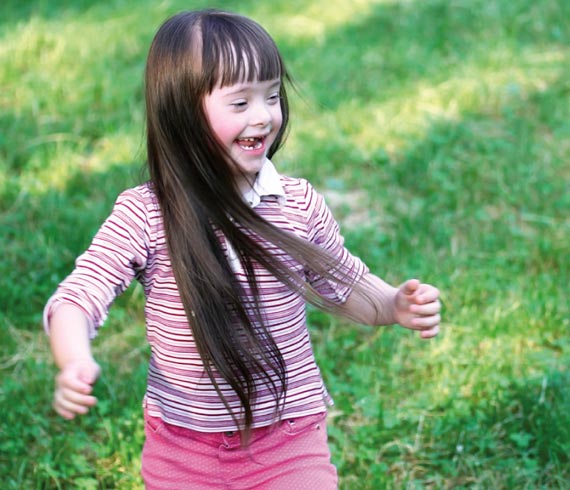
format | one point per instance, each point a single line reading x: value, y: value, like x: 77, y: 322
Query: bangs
x: 237, y: 50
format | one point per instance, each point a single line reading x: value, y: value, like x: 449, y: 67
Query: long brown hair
x: 191, y: 173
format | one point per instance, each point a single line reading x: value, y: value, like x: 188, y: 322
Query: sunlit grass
x: 66, y: 161
x: 403, y: 113
x: 310, y: 20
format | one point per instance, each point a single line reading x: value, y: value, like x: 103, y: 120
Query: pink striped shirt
x: 131, y: 245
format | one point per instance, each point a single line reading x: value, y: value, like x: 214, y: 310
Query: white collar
x: 267, y: 183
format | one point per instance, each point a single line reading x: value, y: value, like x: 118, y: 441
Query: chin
x: 251, y: 166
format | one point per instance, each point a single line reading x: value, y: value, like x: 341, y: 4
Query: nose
x: 260, y: 114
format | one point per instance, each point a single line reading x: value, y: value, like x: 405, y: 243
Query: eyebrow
x: 244, y: 87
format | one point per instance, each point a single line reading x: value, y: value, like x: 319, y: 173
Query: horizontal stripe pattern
x: 131, y: 244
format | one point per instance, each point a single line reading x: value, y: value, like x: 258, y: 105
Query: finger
x: 410, y: 287
x: 426, y: 322
x: 428, y: 334
x: 426, y: 294
x: 68, y: 381
x: 66, y: 414
x: 73, y: 403
x: 432, y: 308
x: 89, y: 375
x: 69, y: 410
x: 75, y: 397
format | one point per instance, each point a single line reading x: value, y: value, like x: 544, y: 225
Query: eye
x: 239, y: 104
x: 274, y: 98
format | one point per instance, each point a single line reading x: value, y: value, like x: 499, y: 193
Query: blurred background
x: 439, y: 132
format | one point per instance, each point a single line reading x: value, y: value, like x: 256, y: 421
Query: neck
x: 245, y: 182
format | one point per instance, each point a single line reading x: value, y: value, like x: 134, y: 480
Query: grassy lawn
x: 440, y: 133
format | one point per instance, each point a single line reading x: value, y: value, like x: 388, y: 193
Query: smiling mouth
x: 249, y: 144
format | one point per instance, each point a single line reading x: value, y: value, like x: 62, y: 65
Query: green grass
x: 439, y: 131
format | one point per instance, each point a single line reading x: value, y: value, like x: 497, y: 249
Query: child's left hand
x: 417, y: 307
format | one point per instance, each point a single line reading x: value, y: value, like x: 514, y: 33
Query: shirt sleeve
x: 324, y: 231
x: 117, y: 254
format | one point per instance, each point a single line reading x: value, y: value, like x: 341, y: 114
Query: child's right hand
x: 73, y: 388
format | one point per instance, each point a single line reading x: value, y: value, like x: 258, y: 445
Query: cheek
x: 224, y: 130
x: 219, y: 122
x: 277, y: 119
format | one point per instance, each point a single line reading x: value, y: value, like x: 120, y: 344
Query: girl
x: 228, y: 252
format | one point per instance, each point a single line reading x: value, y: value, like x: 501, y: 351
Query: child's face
x: 246, y: 118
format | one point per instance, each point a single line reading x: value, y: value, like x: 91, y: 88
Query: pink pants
x: 290, y: 455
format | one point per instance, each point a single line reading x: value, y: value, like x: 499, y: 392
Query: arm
x: 372, y: 301
x: 70, y: 345
x: 413, y: 305
x: 118, y: 251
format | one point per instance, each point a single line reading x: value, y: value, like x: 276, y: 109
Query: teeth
x: 257, y: 143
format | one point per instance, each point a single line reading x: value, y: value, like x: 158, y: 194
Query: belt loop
x: 231, y: 439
